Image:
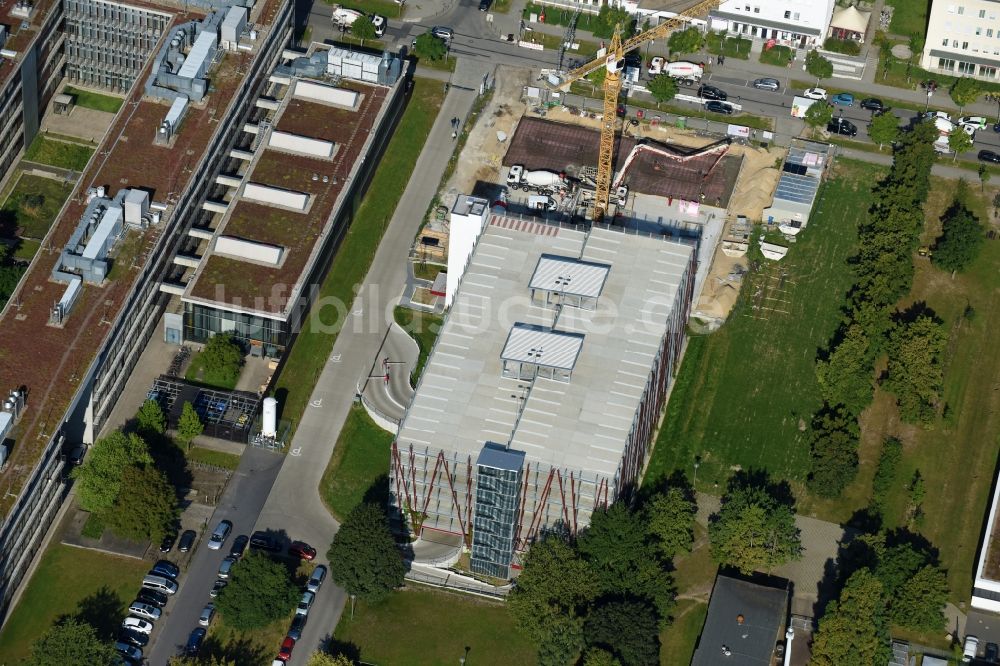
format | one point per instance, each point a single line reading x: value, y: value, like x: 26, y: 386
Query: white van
x: 160, y: 584
x: 344, y: 17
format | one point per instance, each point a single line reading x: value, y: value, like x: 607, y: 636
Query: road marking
x: 358, y: 312
x: 316, y: 403
x: 297, y: 451
x: 335, y: 358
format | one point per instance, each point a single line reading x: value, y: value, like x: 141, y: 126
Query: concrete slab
x: 86, y: 124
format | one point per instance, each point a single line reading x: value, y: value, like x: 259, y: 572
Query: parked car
x: 217, y: 587
x: 133, y: 638
x: 655, y: 66
x: 286, y: 648
x: 226, y: 567
x: 316, y: 579
x: 441, y: 32
x: 144, y: 611
x: 872, y: 104
x: 843, y: 99
x: 842, y: 126
x: 167, y: 544
x: 195, y: 640
x: 815, y: 93
x: 264, y: 541
x: 187, y: 540
x: 128, y: 651
x: 137, y: 624
x: 160, y: 584
x: 152, y: 597
x: 996, y: 127
x: 992, y: 653
x: 719, y: 107
x: 239, y: 546
x: 484, y: 5
x: 165, y: 568
x: 978, y: 122
x: 207, y: 613
x: 302, y: 550
x: 298, y: 624
x: 219, y: 535
x: 767, y: 84
x: 380, y: 24
x: 305, y: 603
x: 937, y: 114
x: 989, y: 156
x: 711, y: 92
x: 970, y: 649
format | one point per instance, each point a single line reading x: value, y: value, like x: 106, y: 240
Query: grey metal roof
x: 751, y: 643
x: 463, y: 400
x: 542, y: 346
x: 568, y: 275
x: 499, y: 457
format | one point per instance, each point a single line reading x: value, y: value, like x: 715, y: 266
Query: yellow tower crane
x: 612, y: 61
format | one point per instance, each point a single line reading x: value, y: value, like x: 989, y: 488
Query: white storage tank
x: 270, y: 425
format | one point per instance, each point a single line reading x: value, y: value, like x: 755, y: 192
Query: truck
x: 539, y: 179
x: 685, y: 72
x: 344, y: 17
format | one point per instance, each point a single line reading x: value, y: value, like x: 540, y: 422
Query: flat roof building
x: 745, y: 622
x: 801, y: 175
x: 541, y: 394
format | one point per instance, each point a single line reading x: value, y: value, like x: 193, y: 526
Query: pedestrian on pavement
x: 722, y: 60
x: 709, y: 61
x: 454, y: 135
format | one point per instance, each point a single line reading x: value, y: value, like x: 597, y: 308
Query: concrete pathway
x: 294, y: 505
x: 395, y: 360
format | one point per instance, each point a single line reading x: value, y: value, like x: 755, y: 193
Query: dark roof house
x: 744, y: 624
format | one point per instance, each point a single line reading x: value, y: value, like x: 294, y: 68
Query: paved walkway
x: 386, y: 386
x: 294, y: 505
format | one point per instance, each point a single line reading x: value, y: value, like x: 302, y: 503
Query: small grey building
x: 745, y: 623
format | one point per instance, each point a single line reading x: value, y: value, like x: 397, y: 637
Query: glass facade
x: 202, y: 322
x: 498, y: 482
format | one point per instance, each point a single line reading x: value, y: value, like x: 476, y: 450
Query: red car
x: 285, y: 653
x: 302, y: 550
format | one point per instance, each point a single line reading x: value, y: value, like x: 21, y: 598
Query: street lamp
x: 697, y: 463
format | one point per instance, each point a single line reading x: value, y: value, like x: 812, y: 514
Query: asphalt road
x: 240, y: 503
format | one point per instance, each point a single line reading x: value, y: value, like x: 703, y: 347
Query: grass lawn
x: 359, y: 465
x: 26, y: 249
x: 253, y: 648
x: 427, y: 270
x: 24, y: 214
x: 744, y: 394
x: 895, y: 73
x: 311, y: 348
x: 224, y: 379
x: 908, y: 17
x: 212, y: 457
x: 957, y: 457
x: 93, y: 527
x: 731, y: 47
x: 777, y: 55
x: 71, y: 581
x: 442, y: 65
x: 58, y: 153
x: 424, y: 626
x: 424, y: 327
x: 677, y: 641
x: 95, y: 101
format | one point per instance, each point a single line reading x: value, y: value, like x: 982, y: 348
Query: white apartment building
x: 794, y: 23
x: 963, y: 38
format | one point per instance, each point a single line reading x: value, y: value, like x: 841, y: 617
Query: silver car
x: 144, y: 611
x: 207, y: 613
x: 305, y: 603
x: 219, y: 535
x: 226, y: 567
x: 767, y: 84
x: 316, y: 579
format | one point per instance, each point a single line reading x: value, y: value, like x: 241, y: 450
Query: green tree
x: 597, y: 76
x: 885, y: 473
x: 919, y: 603
x: 959, y: 142
x: 150, y: 419
x: 363, y: 557
x: 222, y: 358
x: 325, y: 659
x: 984, y: 176
x: 72, y: 642
x: 624, y: 560
x: 689, y: 40
x: 818, y: 66
x: 818, y: 114
x: 189, y: 426
x: 965, y: 91
x: 835, y: 438
x: 915, y: 374
x: 854, y: 630
x: 608, y: 18
x: 99, y: 479
x: 753, y: 530
x: 363, y: 29
x: 628, y: 628
x: 663, y: 88
x: 962, y: 238
x: 260, y: 591
x: 670, y: 520
x: 564, y: 640
x: 884, y: 129
x: 146, y: 507
x: 599, y: 657
x: 845, y: 376
x: 430, y: 47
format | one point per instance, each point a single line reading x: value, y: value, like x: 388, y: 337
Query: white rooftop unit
x: 69, y: 296
x: 276, y: 196
x: 353, y: 65
x: 542, y: 347
x: 250, y: 250
x: 197, y: 59
x: 108, y: 229
x: 6, y: 423
x: 233, y: 26
x: 303, y: 145
x: 136, y: 205
x: 318, y: 92
x: 176, y: 112
x: 567, y: 275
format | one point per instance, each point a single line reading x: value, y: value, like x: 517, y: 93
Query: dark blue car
x: 165, y: 568
x: 195, y: 640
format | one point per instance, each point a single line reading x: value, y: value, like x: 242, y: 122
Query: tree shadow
x: 237, y: 650
x: 102, y: 611
x: 378, y: 492
x: 914, y: 312
x: 676, y: 479
x: 780, y: 490
x: 334, y: 646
